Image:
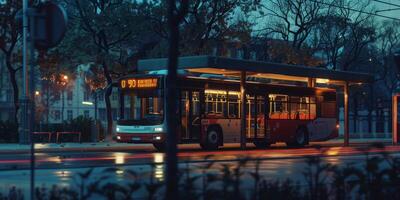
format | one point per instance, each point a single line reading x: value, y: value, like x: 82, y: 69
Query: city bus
x: 209, y: 112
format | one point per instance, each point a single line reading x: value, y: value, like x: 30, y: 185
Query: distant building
x: 77, y: 100
x: 6, y: 93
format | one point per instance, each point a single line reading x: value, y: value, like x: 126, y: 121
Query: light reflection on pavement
x: 276, y: 164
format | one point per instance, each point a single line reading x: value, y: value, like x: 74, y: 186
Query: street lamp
x: 63, y: 82
x: 87, y: 103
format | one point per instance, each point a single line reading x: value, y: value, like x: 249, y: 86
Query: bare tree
x: 110, y: 24
x: 292, y: 20
x: 344, y: 31
x: 9, y: 37
x: 207, y: 23
x: 386, y: 44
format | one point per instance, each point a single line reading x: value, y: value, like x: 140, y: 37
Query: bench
x: 60, y: 134
x: 44, y: 133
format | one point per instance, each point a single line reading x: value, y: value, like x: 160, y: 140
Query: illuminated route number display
x: 139, y: 83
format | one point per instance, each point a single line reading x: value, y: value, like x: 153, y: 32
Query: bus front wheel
x: 212, y: 140
x: 301, y: 138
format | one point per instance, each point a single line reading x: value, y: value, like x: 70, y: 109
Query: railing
x: 44, y: 133
x: 60, y: 134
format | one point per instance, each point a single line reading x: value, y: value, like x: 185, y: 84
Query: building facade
x: 73, y: 100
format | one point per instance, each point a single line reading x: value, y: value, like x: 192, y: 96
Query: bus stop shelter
x: 247, y: 69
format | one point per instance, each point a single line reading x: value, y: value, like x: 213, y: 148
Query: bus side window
x: 278, y: 106
x: 302, y: 108
x: 215, y: 103
x: 233, y: 105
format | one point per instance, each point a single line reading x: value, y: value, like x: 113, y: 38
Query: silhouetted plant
x: 378, y: 177
x: 238, y: 174
x: 316, y: 175
x: 133, y: 185
x: 14, y: 194
x: 8, y: 132
x: 257, y: 177
x: 152, y: 186
x: 80, y: 124
x: 188, y: 184
x: 343, y: 181
x: 207, y: 177
x: 285, y: 190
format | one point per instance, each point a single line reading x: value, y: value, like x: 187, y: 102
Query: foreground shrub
x: 8, y: 132
x: 378, y: 177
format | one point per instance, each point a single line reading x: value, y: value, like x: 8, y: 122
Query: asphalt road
x: 277, y: 162
x: 145, y: 154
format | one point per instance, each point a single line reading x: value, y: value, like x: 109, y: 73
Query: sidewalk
x: 114, y: 146
x: 73, y: 147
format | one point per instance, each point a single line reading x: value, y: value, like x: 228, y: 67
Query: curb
x: 89, y: 148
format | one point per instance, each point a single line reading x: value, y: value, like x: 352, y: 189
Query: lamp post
x: 64, y: 82
x: 395, y: 98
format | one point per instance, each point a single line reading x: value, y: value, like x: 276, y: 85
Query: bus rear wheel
x: 160, y: 146
x: 301, y: 138
x: 212, y: 140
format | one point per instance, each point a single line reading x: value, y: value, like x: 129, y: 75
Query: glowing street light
x: 37, y: 93
x: 65, y: 77
x: 322, y: 80
x: 87, y: 103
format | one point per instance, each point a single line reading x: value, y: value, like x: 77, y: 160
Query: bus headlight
x: 158, y: 129
x: 117, y: 129
x: 118, y: 137
x: 157, y: 138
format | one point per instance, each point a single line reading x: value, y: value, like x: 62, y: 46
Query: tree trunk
x: 370, y: 107
x: 95, y: 106
x: 62, y: 106
x: 14, y: 84
x: 107, y: 98
x: 108, y: 109
x: 47, y: 102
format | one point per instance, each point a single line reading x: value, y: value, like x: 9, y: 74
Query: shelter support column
x: 311, y: 82
x: 346, y: 114
x: 243, y: 110
x: 395, y: 135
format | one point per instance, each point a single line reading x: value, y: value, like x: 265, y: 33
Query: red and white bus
x: 210, y: 112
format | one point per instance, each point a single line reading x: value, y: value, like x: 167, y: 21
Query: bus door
x: 190, y: 114
x: 250, y: 116
x: 256, y: 114
x: 259, y: 111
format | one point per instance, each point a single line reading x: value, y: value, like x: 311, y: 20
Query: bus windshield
x: 143, y: 108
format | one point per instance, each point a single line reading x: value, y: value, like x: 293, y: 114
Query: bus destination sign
x: 139, y: 83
